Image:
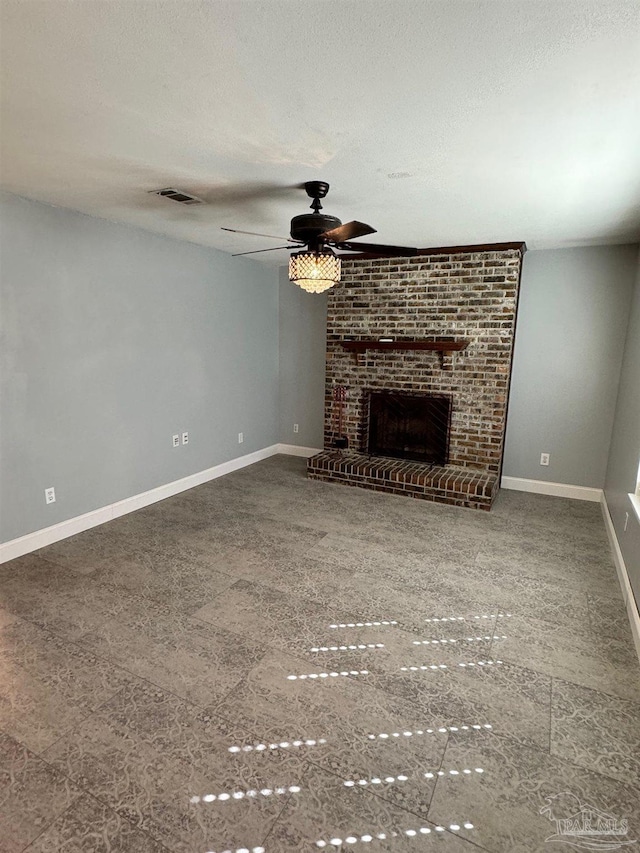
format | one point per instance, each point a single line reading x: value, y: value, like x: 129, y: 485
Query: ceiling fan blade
x: 378, y: 249
x: 348, y: 231
x: 255, y: 234
x: 257, y: 251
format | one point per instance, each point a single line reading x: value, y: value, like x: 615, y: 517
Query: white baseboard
x: 294, y: 450
x: 558, y: 490
x: 48, y: 535
x: 623, y: 576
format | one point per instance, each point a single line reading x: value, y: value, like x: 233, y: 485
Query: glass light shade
x: 314, y: 272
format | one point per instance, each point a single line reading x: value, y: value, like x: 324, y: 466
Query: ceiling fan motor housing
x: 309, y: 226
x: 319, y: 231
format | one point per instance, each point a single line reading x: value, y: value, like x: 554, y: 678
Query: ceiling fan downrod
x: 316, y: 190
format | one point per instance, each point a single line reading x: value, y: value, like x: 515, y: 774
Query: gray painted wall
x: 114, y: 339
x: 303, y: 323
x: 625, y: 448
x: 572, y: 320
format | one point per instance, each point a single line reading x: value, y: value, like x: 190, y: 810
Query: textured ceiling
x: 439, y: 123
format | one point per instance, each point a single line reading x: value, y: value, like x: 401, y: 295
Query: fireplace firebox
x: 409, y: 426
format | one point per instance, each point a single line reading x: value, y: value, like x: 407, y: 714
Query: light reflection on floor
x: 327, y: 674
x: 461, y: 640
x: 469, y: 618
x: 285, y: 744
x: 359, y: 647
x: 441, y: 666
x: 351, y: 783
x: 363, y: 624
x: 402, y: 777
x: 453, y: 772
x: 441, y: 729
x: 409, y: 833
x: 241, y: 850
x: 225, y: 797
x: 383, y: 736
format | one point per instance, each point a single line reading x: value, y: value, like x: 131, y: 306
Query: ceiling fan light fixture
x: 314, y: 271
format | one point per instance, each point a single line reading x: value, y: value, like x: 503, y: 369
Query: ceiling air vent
x: 178, y: 195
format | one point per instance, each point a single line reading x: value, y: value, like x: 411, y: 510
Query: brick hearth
x: 467, y: 295
x: 459, y: 486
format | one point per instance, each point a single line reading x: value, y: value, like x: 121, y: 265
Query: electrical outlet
x: 176, y: 440
x: 295, y: 428
x: 240, y: 438
x: 185, y: 438
x: 544, y: 458
x: 50, y: 495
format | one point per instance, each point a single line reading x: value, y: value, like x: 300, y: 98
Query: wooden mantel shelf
x: 440, y: 346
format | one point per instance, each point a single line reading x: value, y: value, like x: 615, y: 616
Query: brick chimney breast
x: 467, y: 295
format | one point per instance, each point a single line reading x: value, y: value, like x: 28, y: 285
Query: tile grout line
x: 110, y: 662
x: 589, y: 614
x: 142, y: 680
x: 380, y: 794
x: 152, y: 684
x: 82, y: 792
x: 570, y: 681
x: 551, y: 713
x: 268, y: 648
x: 49, y: 825
x: 81, y: 722
x: 284, y: 807
x: 492, y: 733
x: 271, y: 648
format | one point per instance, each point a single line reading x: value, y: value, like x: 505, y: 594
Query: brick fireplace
x: 440, y: 326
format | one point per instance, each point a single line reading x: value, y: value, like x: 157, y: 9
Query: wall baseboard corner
x: 558, y: 490
x: 623, y: 576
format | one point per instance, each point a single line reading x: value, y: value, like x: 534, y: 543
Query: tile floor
x: 270, y: 662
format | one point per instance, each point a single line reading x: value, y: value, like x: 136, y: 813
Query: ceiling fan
x: 317, y: 267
